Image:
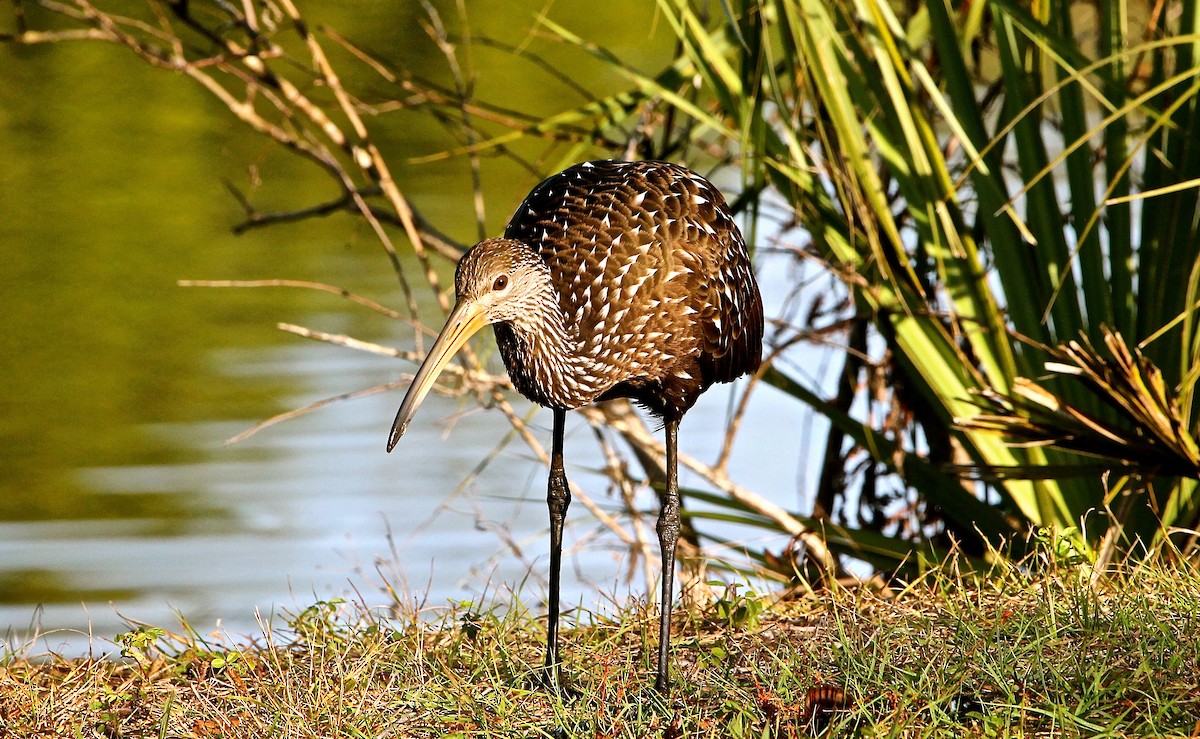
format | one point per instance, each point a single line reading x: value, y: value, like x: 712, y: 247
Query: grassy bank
x: 1042, y: 654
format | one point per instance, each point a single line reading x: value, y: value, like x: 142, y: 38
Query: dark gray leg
x: 668, y: 534
x: 558, y: 497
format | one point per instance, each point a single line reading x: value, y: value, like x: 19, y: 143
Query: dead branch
x: 304, y: 284
x: 620, y: 416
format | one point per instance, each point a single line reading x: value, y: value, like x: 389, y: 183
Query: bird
x: 613, y: 279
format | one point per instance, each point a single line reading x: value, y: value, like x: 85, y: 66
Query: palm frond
x: 1143, y: 433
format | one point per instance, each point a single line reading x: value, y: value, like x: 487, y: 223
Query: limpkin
x: 613, y: 280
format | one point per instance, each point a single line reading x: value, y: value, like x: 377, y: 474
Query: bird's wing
x: 649, y: 264
x: 721, y: 287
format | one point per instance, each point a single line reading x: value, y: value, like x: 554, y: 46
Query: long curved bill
x: 464, y: 321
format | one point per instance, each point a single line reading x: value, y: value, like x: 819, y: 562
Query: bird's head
x: 497, y: 281
x: 503, y: 279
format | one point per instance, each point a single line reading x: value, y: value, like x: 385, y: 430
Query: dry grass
x: 1045, y: 654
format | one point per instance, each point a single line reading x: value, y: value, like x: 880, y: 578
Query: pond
x: 120, y: 388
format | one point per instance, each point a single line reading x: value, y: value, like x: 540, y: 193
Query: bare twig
x: 621, y: 417
x: 539, y: 451
x: 303, y: 410
x: 735, y: 420
x: 304, y: 284
x: 618, y: 472
x: 473, y: 378
x: 438, y: 33
x: 445, y: 247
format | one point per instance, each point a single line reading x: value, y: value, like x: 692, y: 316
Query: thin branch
x: 438, y: 33
x: 539, y: 451
x: 303, y: 410
x: 30, y: 38
x: 622, y: 418
x: 618, y: 472
x: 541, y: 64
x: 305, y: 284
x: 476, y: 378
x: 443, y: 245
x: 365, y: 154
x: 735, y: 420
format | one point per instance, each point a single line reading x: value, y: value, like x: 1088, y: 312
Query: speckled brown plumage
x: 652, y: 283
x: 613, y: 279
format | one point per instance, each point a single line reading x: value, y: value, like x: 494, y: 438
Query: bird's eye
x: 500, y: 283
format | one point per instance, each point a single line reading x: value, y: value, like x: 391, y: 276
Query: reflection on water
x: 119, y: 388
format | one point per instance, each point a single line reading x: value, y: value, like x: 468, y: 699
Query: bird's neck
x: 544, y: 358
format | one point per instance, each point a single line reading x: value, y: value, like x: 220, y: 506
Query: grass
x: 1031, y: 652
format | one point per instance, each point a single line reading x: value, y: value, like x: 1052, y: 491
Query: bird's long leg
x: 558, y: 498
x: 668, y: 534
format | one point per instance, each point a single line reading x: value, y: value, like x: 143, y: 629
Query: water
x: 121, y: 499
